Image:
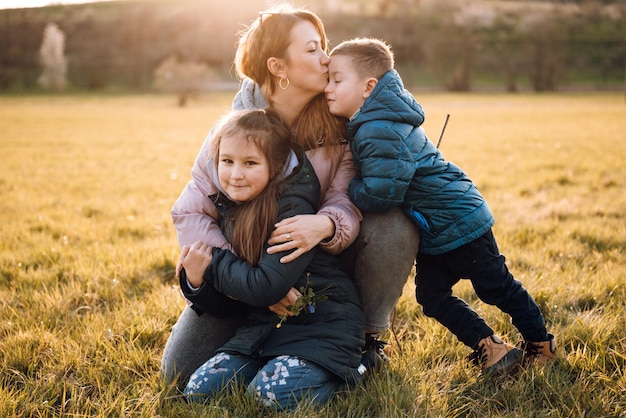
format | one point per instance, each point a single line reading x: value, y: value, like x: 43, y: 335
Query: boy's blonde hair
x: 372, y: 57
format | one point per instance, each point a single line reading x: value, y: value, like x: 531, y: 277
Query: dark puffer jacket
x: 399, y: 166
x: 331, y: 336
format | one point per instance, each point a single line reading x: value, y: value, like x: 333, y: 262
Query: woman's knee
x: 194, y: 338
x: 389, y: 245
x: 390, y: 228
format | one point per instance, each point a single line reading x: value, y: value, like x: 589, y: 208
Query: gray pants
x: 380, y: 260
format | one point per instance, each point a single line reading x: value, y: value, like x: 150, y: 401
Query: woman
x: 282, y: 60
x: 263, y: 176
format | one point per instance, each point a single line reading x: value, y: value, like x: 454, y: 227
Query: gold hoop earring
x: 280, y: 83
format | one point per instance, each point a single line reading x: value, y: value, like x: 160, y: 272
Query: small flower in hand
x: 308, y: 299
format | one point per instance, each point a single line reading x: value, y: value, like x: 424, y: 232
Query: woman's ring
x: 288, y: 236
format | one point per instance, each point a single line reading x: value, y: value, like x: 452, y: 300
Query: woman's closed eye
x: 314, y: 47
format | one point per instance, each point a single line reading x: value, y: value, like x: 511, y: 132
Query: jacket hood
x: 389, y: 101
x: 249, y: 96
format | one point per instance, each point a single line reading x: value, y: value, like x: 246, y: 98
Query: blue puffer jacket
x: 399, y: 166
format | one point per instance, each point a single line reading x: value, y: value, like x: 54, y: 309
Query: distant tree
x: 182, y: 78
x: 94, y: 49
x: 503, y: 44
x: 546, y: 37
x: 52, y: 58
x: 455, y: 37
x: 598, y: 40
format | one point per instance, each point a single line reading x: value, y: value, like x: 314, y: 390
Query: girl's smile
x: 242, y: 169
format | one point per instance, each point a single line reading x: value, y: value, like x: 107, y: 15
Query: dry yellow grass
x: 87, y: 294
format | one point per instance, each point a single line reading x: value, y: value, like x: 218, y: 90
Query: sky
x: 14, y: 4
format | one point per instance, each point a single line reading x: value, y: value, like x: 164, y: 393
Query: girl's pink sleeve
x: 193, y: 214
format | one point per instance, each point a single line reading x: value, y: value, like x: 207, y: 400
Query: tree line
x: 450, y: 44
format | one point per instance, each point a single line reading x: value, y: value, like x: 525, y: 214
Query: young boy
x: 399, y: 166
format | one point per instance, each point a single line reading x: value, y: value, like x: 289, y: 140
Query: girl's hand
x: 300, y: 232
x: 195, y: 259
x: 290, y: 298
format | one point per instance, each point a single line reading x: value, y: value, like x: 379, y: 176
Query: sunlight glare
x: 19, y: 4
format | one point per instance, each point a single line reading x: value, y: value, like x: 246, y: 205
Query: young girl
x: 264, y: 178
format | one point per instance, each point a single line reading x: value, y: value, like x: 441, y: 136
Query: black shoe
x: 373, y: 356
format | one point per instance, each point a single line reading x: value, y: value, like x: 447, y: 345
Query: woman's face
x: 306, y: 61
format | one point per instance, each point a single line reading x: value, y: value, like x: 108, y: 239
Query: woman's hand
x: 300, y: 232
x: 195, y: 259
x: 290, y: 298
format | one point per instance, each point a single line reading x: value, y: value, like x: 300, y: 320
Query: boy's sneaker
x: 539, y: 352
x: 373, y: 356
x: 494, y: 355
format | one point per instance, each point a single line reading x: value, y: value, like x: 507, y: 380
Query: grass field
x: 87, y: 252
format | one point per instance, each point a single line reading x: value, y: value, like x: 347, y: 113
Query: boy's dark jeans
x: 481, y: 263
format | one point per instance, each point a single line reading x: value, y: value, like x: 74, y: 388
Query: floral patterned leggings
x: 281, y: 382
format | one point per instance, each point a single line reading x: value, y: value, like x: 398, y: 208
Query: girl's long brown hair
x: 251, y: 222
x: 269, y: 36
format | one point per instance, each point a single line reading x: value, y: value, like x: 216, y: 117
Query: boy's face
x: 346, y: 90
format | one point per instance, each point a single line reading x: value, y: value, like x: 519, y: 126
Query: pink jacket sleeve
x: 193, y: 213
x: 334, y: 175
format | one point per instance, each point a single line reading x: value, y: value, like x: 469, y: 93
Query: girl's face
x: 242, y: 168
x: 346, y: 90
x: 306, y: 62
